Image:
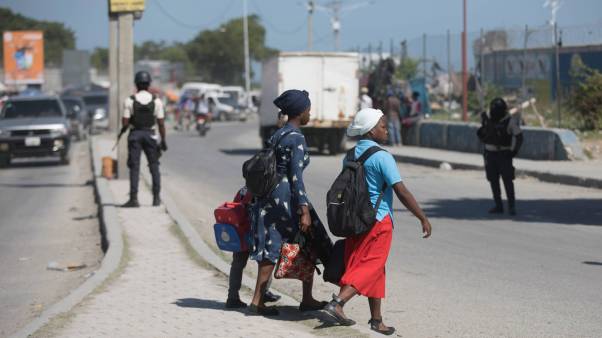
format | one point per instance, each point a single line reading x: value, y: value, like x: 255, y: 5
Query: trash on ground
x: 54, y: 266
x: 445, y: 166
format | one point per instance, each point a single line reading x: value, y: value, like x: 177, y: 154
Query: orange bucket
x: 108, y: 167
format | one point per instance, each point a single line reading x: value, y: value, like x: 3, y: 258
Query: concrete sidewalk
x: 164, y: 289
x: 580, y: 173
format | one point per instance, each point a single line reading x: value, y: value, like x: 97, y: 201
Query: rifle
x: 121, y: 132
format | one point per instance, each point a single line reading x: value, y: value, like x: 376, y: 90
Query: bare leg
x: 264, y: 271
x: 346, y: 293
x: 308, y: 298
x: 375, y: 312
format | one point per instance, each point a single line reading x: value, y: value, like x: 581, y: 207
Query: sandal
x: 331, y: 308
x: 375, y: 326
x: 267, y: 311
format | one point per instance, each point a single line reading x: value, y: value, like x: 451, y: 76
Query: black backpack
x: 260, y: 171
x: 143, y: 115
x: 348, y: 206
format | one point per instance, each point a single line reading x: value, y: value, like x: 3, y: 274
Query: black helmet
x: 498, y: 109
x: 142, y: 78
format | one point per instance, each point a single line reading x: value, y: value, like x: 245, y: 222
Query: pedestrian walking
x: 366, y: 254
x: 392, y: 111
x: 502, y: 136
x: 278, y: 217
x: 142, y: 111
x: 239, y: 262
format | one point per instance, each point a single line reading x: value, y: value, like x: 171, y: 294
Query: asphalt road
x: 47, y: 213
x: 538, y: 274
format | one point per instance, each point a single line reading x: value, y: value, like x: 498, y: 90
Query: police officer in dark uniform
x: 503, y: 138
x: 142, y: 111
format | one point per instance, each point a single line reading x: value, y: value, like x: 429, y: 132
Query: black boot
x: 132, y: 202
x: 156, y: 200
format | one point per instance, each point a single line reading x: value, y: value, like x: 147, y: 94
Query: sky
x: 286, y: 20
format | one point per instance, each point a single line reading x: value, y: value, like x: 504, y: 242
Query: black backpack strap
x: 371, y: 151
x: 380, y: 197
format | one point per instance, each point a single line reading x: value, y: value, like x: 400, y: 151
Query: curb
x: 205, y: 252
x: 542, y: 176
x: 112, y: 244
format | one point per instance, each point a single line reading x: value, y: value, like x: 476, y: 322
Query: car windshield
x: 31, y: 108
x: 96, y: 100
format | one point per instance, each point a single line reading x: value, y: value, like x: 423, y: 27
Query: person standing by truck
x: 141, y: 112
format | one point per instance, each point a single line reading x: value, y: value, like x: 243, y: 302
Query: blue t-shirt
x: 379, y: 168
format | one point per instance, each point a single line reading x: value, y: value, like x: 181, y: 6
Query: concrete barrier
x: 539, y: 143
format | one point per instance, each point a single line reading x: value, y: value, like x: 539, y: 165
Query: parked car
x: 97, y: 103
x: 34, y: 126
x: 78, y: 116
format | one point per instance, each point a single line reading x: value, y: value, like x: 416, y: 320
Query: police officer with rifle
x: 502, y: 136
x: 141, y: 112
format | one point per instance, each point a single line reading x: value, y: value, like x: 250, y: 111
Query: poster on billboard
x: 23, y: 57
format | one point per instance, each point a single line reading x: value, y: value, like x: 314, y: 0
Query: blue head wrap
x: 293, y: 102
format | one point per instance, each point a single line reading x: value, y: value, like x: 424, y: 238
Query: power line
x: 274, y: 27
x: 178, y: 22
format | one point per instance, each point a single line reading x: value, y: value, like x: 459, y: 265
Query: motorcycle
x: 203, y: 123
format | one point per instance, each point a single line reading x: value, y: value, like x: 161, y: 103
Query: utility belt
x: 151, y: 129
x: 493, y: 147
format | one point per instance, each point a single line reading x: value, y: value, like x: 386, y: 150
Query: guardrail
x: 546, y: 144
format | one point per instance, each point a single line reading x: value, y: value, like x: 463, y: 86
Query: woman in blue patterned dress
x: 278, y: 217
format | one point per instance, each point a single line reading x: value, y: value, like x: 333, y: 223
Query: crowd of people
x: 401, y: 112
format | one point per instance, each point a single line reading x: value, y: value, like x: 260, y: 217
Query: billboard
x: 116, y: 6
x: 23, y: 57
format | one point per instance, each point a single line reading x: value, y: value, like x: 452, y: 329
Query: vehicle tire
x: 4, y: 161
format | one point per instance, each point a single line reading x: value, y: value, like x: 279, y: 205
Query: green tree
x: 100, y: 58
x: 407, y: 69
x: 218, y: 55
x: 57, y: 36
x: 490, y: 91
x: 586, y: 98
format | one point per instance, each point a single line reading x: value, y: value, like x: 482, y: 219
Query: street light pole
x: 464, y: 70
x: 247, y: 63
x: 310, y: 14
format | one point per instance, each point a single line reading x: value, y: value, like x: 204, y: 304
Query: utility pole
x: 557, y: 43
x: 247, y: 63
x: 113, y: 74
x: 125, y: 80
x: 310, y: 13
x: 464, y: 69
x: 370, y: 55
x: 380, y: 51
x: 524, y: 70
x: 336, y: 23
x: 391, y: 48
x: 424, y: 57
x: 450, y: 83
x: 481, y: 67
x: 335, y: 9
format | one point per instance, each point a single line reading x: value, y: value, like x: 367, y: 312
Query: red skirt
x: 365, y: 259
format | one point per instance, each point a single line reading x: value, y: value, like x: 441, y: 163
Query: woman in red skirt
x: 366, y: 254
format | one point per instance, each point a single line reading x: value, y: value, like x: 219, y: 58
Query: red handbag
x: 294, y: 264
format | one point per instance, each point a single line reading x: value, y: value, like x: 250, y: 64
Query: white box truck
x: 332, y: 82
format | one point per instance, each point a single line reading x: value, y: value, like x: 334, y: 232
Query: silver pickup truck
x: 34, y: 126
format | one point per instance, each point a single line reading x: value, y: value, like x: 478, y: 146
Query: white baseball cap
x: 364, y: 121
